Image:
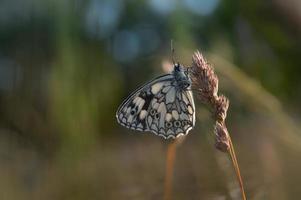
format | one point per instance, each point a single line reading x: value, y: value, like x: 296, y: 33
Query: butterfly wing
x: 180, y: 117
x: 173, y: 115
x: 134, y: 109
x: 160, y: 107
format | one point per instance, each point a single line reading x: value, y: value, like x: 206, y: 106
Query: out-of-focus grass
x: 131, y: 166
x: 61, y: 141
x: 253, y: 95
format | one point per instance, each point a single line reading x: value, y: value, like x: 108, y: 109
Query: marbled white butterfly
x: 163, y: 106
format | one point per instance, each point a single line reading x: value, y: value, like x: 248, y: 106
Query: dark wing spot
x: 153, y: 112
x: 143, y: 95
x: 168, y: 124
x: 177, y: 123
x: 148, y: 99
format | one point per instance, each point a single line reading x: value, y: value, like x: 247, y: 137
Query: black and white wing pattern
x: 160, y: 107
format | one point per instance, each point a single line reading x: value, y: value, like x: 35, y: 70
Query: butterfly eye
x: 133, y: 112
x: 157, y: 115
x: 168, y: 124
x: 177, y: 124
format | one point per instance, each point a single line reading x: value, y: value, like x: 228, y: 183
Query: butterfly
x: 164, y: 105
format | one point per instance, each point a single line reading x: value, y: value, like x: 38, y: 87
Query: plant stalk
x: 170, y: 160
x: 236, y: 168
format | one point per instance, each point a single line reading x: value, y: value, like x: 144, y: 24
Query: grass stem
x: 170, y: 160
x: 236, y: 168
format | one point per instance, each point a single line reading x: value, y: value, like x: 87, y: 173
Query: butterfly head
x: 181, y: 76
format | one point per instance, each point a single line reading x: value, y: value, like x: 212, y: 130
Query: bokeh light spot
x: 125, y: 46
x: 102, y: 17
x: 201, y: 7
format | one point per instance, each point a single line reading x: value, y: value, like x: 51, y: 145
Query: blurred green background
x: 65, y: 66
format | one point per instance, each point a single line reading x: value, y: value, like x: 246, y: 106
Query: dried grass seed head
x: 204, y: 78
x: 222, y: 137
x: 220, y: 108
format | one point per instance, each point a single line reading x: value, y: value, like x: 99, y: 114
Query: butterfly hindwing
x: 175, y: 114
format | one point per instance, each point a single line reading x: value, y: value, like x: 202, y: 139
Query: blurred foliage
x: 65, y: 66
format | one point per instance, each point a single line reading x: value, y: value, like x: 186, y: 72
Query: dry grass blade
x: 236, y: 168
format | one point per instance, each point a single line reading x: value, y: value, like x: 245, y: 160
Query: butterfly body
x: 163, y: 106
x: 182, y: 79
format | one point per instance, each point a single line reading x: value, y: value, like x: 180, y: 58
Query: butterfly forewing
x: 160, y: 107
x: 133, y: 111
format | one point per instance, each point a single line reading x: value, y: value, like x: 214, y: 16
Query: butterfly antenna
x: 172, y: 52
